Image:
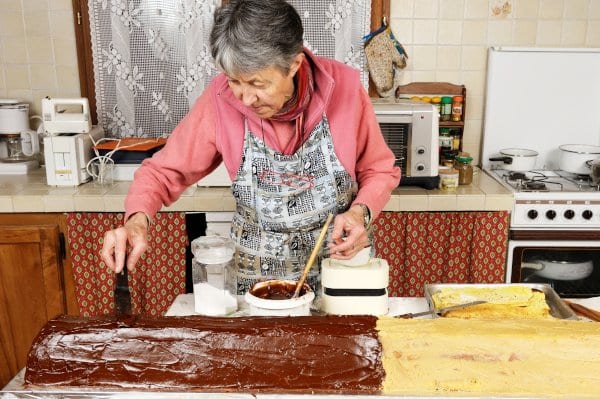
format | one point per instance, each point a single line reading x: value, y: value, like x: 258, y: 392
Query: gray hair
x: 251, y: 35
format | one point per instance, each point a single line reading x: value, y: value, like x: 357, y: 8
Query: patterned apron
x: 282, y: 203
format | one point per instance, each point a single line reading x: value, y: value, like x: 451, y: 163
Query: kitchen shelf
x: 438, y: 89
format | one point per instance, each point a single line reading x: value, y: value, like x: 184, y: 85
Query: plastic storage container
x: 214, y: 276
x: 448, y: 179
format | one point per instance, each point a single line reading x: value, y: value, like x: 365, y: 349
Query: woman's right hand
x: 134, y: 233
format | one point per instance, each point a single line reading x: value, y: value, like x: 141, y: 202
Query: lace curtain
x: 151, y: 57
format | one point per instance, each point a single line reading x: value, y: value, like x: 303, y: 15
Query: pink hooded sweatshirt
x: 213, y: 132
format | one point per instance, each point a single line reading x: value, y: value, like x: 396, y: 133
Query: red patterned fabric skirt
x: 441, y: 247
x: 156, y: 281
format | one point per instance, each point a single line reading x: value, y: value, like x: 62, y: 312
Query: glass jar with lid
x: 214, y: 275
x: 465, y: 169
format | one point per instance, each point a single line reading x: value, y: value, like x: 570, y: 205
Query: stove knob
x: 420, y: 167
x: 569, y: 214
x: 421, y: 150
x: 587, y: 214
x: 532, y: 214
x: 550, y: 214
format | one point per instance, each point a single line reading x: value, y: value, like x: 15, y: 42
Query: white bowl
x: 299, y: 306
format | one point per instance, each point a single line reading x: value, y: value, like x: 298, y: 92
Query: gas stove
x: 551, y: 199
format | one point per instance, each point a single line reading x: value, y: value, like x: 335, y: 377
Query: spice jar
x: 465, y: 170
x: 448, y: 179
x: 457, y: 108
x: 446, y: 108
x: 445, y: 140
x: 437, y: 103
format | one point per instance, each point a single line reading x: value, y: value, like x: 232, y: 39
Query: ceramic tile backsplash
x: 38, y: 55
x: 465, y: 29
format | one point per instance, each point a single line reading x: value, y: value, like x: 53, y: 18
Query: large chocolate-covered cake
x: 251, y: 354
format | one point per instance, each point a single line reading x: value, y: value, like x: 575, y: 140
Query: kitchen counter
x: 30, y: 193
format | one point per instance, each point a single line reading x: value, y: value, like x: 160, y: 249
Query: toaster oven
x: 411, y: 130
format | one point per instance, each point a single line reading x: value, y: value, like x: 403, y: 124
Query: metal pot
x: 561, y: 270
x: 517, y: 159
x: 573, y: 157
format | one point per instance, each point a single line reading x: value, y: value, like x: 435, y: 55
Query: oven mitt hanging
x: 385, y: 57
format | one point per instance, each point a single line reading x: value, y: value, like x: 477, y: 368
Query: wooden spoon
x: 313, y: 256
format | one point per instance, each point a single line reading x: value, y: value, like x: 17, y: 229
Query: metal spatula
x: 122, y: 293
x: 440, y: 311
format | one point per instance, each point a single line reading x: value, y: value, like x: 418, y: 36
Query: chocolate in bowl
x: 275, y: 298
x: 277, y: 289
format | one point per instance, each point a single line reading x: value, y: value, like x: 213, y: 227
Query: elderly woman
x: 298, y: 136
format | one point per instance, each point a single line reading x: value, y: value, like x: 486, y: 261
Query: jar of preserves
x: 446, y: 108
x: 457, y: 108
x: 448, y: 179
x: 465, y: 170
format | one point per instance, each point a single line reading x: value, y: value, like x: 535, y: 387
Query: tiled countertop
x: 30, y: 193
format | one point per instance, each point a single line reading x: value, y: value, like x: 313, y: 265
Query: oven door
x: 568, y: 261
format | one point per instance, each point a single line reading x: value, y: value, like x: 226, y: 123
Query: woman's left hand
x: 349, y: 235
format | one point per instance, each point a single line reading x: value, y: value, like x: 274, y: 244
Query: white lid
x: 212, y: 249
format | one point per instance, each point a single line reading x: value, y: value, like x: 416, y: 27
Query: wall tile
x: 403, y: 30
x: 14, y: 50
x: 35, y: 5
x: 474, y: 57
x: 42, y: 76
x: 526, y: 9
x: 449, y: 32
x: 476, y: 9
x: 573, y: 33
x: 37, y: 23
x: 577, y: 9
x: 17, y: 76
x: 62, y: 23
x: 594, y: 9
x: 499, y: 32
x: 592, y: 38
x: 65, y: 51
x: 402, y: 8
x: 11, y: 23
x: 448, y: 58
x: 551, y: 9
x: 39, y: 49
x: 525, y: 33
x: 426, y: 8
x: 548, y: 32
x: 424, y: 57
x: 60, y: 5
x: 452, y: 9
x: 474, y: 32
x: 425, y: 31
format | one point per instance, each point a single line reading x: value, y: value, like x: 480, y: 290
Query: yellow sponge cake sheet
x: 539, y: 358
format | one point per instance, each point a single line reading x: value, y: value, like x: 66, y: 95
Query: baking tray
x: 558, y: 309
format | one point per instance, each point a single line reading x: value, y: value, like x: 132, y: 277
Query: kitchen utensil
x: 517, y: 159
x: 66, y: 115
x: 440, y: 311
x: 583, y: 310
x: 561, y: 270
x: 313, y: 255
x: 573, y: 157
x: 122, y: 293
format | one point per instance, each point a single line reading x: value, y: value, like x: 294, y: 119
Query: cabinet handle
x: 63, y: 245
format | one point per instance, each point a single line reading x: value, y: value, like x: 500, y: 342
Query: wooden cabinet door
x: 31, y: 290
